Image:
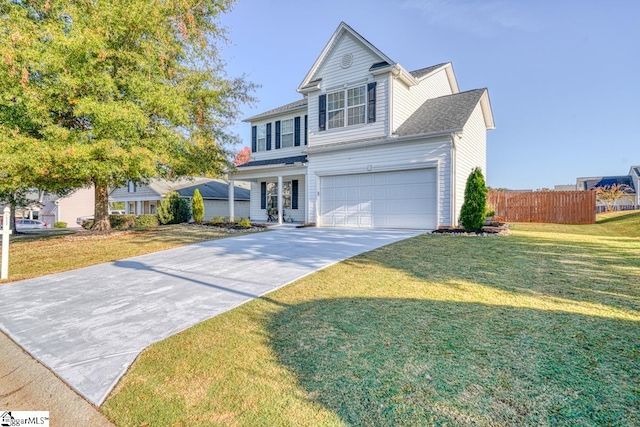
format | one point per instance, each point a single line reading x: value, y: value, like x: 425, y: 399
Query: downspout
x: 453, y: 180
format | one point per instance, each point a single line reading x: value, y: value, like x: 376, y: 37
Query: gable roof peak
x: 343, y: 28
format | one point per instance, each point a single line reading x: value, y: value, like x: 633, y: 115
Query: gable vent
x: 347, y: 60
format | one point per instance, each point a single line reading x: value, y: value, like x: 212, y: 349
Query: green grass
x: 36, y: 254
x: 537, y: 328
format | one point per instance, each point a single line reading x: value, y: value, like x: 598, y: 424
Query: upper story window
x: 356, y: 101
x: 335, y: 109
x: 287, y: 133
x: 131, y: 187
x: 348, y: 107
x: 262, y: 137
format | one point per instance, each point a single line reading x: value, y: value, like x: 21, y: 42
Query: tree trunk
x: 101, y: 213
x: 13, y: 217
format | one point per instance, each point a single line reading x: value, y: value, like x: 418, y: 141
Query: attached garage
x: 397, y: 199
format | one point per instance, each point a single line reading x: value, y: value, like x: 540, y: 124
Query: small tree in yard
x: 610, y: 194
x: 473, y: 209
x: 197, y: 206
x: 173, y: 209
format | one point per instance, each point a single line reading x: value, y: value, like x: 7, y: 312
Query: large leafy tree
x: 102, y: 92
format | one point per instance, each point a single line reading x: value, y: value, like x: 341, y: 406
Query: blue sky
x: 563, y: 76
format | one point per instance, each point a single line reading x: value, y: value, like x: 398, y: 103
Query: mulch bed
x: 491, y: 229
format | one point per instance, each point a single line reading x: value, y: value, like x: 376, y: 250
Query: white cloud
x: 479, y: 17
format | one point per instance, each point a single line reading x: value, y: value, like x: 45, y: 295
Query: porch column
x: 279, y: 199
x: 139, y: 207
x: 232, y: 212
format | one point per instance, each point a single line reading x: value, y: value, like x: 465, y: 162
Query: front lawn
x: 52, y: 251
x: 538, y: 328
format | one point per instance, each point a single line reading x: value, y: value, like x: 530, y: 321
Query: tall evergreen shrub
x: 173, y: 209
x: 473, y: 209
x: 197, y: 206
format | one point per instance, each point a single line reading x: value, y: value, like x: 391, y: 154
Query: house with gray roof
x: 630, y: 183
x: 140, y: 199
x: 369, y: 144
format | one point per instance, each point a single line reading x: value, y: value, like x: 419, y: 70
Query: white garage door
x: 403, y: 199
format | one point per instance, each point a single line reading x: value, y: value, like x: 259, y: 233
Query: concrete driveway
x: 89, y: 325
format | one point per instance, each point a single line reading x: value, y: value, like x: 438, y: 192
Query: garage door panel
x: 402, y: 199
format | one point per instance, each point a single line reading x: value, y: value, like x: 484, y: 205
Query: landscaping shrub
x: 244, y: 223
x: 122, y: 222
x: 217, y: 220
x: 473, y: 210
x: 59, y: 224
x: 197, y: 206
x: 143, y: 221
x: 173, y: 209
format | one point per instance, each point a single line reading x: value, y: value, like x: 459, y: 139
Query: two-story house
x: 370, y: 144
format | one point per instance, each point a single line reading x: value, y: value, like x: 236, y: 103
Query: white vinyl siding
x: 220, y: 208
x: 471, y: 152
x: 385, y: 158
x: 334, y: 79
x: 406, y: 100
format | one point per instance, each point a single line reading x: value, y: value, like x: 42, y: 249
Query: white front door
x: 399, y: 199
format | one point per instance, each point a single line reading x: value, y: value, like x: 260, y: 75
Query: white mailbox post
x: 6, y: 230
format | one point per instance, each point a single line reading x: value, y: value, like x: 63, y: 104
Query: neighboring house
x: 564, y: 187
x: 630, y: 201
x: 144, y: 199
x: 68, y: 208
x: 370, y: 144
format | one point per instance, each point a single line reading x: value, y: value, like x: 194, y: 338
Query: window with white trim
x: 355, y: 107
x: 262, y: 137
x: 286, y: 139
x: 335, y: 110
x: 356, y: 102
x: 272, y: 195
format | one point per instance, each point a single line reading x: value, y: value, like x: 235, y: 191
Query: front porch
x: 278, y: 192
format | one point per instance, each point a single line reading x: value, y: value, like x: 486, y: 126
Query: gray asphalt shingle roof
x: 446, y: 113
x: 424, y: 71
x: 606, y: 181
x: 280, y: 161
x: 282, y: 109
x: 215, y: 190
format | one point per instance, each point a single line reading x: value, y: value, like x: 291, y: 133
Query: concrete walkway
x: 89, y: 325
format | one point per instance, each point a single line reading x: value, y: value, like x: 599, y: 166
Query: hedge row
x: 122, y: 222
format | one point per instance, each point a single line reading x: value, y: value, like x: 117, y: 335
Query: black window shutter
x: 263, y: 195
x: 371, y: 99
x: 294, y: 194
x: 277, y: 134
x: 306, y: 129
x: 254, y: 139
x: 268, y: 136
x: 296, y: 131
x: 322, y: 112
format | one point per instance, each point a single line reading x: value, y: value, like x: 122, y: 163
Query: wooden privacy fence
x: 559, y: 207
